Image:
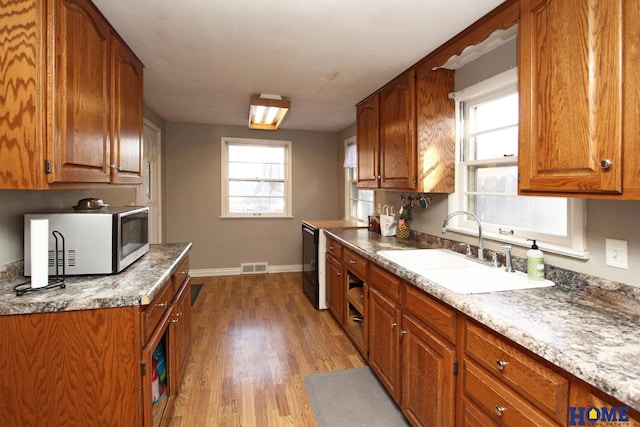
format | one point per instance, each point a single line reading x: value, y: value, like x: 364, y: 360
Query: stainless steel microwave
x: 102, y: 241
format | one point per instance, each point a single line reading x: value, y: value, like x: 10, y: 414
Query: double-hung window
x: 256, y: 178
x: 487, y: 175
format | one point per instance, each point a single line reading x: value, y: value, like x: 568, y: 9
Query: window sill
x: 251, y: 216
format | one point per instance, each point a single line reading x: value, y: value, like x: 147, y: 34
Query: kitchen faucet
x: 480, y: 246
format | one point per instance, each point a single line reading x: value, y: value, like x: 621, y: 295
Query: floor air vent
x: 253, y: 268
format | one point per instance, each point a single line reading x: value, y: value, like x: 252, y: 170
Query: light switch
x: 616, y: 253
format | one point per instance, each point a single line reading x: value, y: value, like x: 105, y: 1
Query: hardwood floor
x: 255, y: 337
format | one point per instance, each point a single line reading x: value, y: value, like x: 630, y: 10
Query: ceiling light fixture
x: 267, y: 112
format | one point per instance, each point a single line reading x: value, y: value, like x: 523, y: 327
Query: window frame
x: 573, y: 245
x: 224, y: 178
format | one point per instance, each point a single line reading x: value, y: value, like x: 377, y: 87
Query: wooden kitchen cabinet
x: 384, y: 330
x: 386, y: 136
x: 73, y: 105
x: 435, y: 127
x: 368, y: 134
x: 94, y: 367
x: 127, y: 111
x: 508, y: 385
x: 579, y: 91
x: 429, y: 360
x: 356, y: 307
x: 335, y: 288
x: 397, y: 133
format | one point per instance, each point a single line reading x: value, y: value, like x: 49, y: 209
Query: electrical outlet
x: 616, y: 253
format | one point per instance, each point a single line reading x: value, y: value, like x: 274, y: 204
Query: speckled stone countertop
x: 138, y: 284
x: 585, y: 327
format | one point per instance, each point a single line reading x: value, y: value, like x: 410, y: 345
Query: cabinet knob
x: 500, y: 364
x: 338, y: 273
x: 394, y: 324
x: 162, y: 304
x: 605, y: 163
x: 351, y: 261
x: 500, y: 410
x: 402, y: 332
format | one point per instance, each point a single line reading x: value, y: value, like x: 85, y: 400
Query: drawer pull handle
x: 500, y: 410
x: 500, y: 364
x: 162, y: 304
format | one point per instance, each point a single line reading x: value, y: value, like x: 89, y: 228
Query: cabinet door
x: 428, y: 381
x: 181, y: 324
x: 571, y: 96
x: 368, y: 135
x: 397, y: 133
x: 154, y: 409
x: 127, y: 106
x: 78, y: 144
x: 435, y: 126
x: 335, y: 289
x: 384, y: 341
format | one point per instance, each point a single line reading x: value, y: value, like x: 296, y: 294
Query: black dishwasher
x: 310, y: 282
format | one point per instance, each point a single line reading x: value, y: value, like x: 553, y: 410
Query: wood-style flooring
x: 254, y: 339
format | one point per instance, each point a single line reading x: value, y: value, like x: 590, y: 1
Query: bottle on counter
x: 535, y: 262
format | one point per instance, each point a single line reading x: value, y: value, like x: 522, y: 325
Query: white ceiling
x: 204, y: 59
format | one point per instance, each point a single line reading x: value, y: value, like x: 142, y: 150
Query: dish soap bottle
x: 535, y: 262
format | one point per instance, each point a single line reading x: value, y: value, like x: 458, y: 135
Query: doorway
x: 150, y: 192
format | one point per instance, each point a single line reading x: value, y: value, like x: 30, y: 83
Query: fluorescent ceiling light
x: 267, y: 112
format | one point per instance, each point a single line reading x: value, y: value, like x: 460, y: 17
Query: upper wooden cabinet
x: 579, y: 96
x: 397, y: 133
x: 386, y: 136
x: 126, y: 114
x: 72, y: 111
x: 435, y: 126
x: 368, y: 131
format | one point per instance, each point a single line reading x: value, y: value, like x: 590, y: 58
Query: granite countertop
x: 138, y: 284
x: 586, y: 329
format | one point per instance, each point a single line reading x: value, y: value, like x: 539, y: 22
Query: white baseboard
x: 234, y: 271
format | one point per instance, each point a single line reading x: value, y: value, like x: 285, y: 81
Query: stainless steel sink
x: 460, y: 274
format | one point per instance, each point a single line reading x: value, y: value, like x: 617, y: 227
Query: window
x: 256, y: 178
x: 487, y: 175
x: 359, y: 203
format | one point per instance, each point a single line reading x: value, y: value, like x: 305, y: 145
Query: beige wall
x: 193, y: 196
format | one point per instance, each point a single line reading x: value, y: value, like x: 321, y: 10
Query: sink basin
x: 460, y: 274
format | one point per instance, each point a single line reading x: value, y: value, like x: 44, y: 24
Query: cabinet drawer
x: 498, y: 401
x: 433, y: 313
x: 155, y: 310
x: 334, y: 248
x: 544, y: 387
x: 355, y: 263
x: 385, y: 282
x: 181, y: 274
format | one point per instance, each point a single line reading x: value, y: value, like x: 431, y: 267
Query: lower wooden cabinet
x: 509, y: 385
x: 443, y: 368
x: 384, y: 341
x: 428, y: 376
x: 95, y: 367
x: 335, y: 288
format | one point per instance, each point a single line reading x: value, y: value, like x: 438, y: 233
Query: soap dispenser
x: 535, y: 262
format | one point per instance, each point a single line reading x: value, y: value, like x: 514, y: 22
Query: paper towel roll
x: 39, y: 253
